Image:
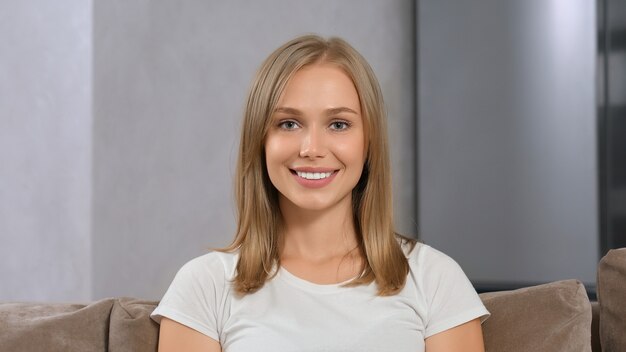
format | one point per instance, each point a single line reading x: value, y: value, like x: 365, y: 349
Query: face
x: 315, y: 147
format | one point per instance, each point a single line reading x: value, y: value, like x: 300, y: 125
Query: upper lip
x: 313, y: 169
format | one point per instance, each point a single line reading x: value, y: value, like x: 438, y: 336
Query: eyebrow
x: 329, y: 112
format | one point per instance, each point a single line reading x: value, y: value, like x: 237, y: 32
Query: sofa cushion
x: 550, y: 317
x: 612, y: 300
x: 595, y: 327
x: 131, y: 328
x: 54, y: 327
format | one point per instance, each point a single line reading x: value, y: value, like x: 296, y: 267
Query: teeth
x: 314, y: 175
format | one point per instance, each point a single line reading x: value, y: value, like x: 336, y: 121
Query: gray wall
x: 45, y: 150
x: 170, y: 79
x: 117, y: 170
x: 507, y: 137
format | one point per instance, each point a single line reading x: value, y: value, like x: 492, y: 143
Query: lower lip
x: 315, y: 183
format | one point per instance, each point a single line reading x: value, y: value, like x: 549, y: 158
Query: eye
x: 288, y: 125
x: 339, y: 125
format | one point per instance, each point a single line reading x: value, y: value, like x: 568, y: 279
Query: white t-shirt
x: 292, y: 314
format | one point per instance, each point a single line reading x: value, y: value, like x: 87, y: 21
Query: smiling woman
x: 316, y: 264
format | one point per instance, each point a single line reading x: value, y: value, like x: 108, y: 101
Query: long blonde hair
x: 257, y: 238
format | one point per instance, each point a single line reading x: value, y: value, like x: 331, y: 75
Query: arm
x: 174, y: 337
x: 466, y: 337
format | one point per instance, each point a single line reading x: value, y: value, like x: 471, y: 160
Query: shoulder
x: 426, y: 261
x: 443, y: 288
x: 197, y: 295
x: 219, y: 266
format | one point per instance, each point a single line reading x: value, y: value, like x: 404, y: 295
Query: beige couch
x: 551, y: 317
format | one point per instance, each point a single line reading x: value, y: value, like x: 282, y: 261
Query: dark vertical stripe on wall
x: 416, y: 116
x: 611, y: 125
x: 603, y: 175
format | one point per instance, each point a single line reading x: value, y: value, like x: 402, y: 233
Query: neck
x: 317, y: 235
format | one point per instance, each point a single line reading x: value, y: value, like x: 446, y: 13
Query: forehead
x: 320, y: 86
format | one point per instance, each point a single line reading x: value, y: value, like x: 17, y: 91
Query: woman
x: 316, y: 264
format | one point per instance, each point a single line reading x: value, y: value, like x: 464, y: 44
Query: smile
x: 313, y: 175
x: 311, y: 179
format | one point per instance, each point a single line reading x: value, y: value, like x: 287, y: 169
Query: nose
x: 313, y: 144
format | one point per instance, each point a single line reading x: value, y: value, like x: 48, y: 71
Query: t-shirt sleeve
x: 450, y: 297
x: 194, y: 296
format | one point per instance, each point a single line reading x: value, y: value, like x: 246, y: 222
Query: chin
x: 302, y: 202
x: 311, y: 206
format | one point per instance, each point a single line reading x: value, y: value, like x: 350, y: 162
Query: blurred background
x: 119, y: 127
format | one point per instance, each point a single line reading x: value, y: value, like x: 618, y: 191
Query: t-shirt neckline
x: 301, y: 283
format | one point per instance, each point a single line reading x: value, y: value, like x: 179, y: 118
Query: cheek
x: 351, y: 151
x: 270, y: 153
x: 276, y: 151
x: 271, y: 159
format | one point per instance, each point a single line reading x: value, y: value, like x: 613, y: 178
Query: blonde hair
x: 257, y: 238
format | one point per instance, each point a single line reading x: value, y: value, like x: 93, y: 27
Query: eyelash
x: 345, y: 125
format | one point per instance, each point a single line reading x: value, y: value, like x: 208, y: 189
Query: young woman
x: 316, y: 264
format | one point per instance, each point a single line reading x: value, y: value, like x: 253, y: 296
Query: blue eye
x: 288, y: 125
x: 339, y: 125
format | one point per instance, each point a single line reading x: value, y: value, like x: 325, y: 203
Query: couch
x: 551, y: 317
